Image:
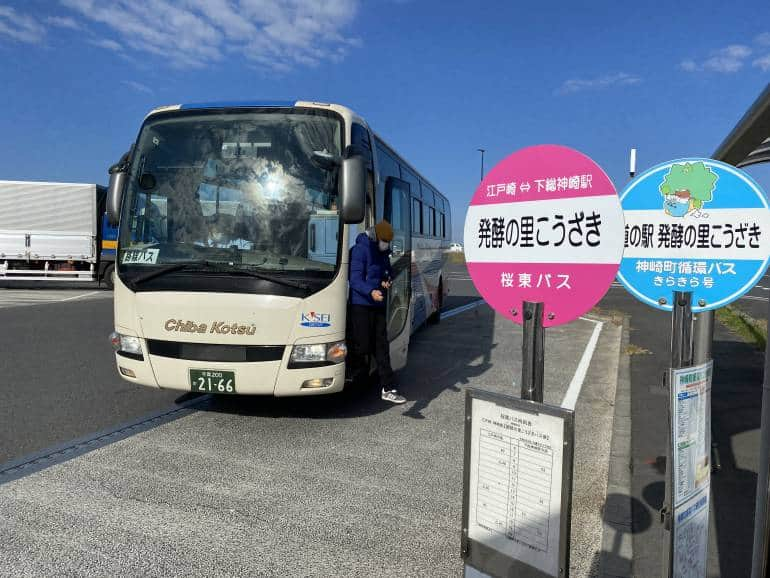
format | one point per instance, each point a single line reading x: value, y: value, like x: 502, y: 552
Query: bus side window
x: 359, y: 137
x: 417, y: 216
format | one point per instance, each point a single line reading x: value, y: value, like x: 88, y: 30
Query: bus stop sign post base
x: 532, y: 352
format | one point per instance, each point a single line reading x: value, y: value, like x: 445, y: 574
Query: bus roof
x: 239, y: 104
x: 253, y: 104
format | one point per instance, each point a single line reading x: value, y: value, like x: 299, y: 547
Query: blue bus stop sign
x: 695, y: 225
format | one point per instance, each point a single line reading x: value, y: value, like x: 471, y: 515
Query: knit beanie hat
x: 384, y: 231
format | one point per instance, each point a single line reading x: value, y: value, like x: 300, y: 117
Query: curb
x: 617, y: 535
x: 31, y: 463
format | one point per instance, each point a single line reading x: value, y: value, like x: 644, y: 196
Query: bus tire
x: 107, y: 276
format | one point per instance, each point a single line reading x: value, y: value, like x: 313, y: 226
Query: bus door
x: 398, y: 213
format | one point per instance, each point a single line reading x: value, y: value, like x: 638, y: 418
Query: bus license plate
x: 210, y: 381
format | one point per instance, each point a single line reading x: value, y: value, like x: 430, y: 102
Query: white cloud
x: 20, y: 27
x: 137, y: 86
x: 277, y: 34
x: 762, y: 62
x: 728, y: 59
x: 608, y: 80
x: 106, y: 43
x: 724, y: 60
x: 63, y: 22
x: 762, y: 39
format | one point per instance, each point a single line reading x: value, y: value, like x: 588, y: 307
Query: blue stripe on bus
x: 109, y: 252
x: 238, y: 104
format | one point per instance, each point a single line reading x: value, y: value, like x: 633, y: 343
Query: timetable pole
x: 532, y: 352
x: 681, y: 356
x: 681, y: 330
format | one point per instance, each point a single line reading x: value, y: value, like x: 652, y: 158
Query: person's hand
x: 377, y: 295
x: 387, y: 284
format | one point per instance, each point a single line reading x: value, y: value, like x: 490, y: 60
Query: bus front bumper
x: 258, y: 378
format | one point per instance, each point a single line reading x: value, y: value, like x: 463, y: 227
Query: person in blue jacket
x: 370, y: 278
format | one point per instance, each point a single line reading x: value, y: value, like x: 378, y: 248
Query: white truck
x: 55, y: 231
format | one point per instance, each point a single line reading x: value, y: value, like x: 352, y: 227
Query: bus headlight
x: 319, y: 353
x: 126, y: 343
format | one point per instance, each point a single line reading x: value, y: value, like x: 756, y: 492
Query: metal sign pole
x: 702, y: 344
x: 703, y: 337
x: 681, y: 330
x: 532, y: 353
x: 681, y: 356
x: 759, y: 560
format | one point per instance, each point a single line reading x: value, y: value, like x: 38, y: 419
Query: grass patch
x: 456, y: 257
x: 636, y: 350
x: 612, y: 315
x: 745, y: 326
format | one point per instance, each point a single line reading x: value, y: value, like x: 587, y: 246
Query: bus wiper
x: 158, y: 272
x: 219, y: 267
x: 214, y: 266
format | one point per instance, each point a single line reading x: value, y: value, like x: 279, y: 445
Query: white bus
x: 235, y: 223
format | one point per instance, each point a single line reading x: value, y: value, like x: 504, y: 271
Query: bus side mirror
x: 118, y: 176
x: 352, y: 189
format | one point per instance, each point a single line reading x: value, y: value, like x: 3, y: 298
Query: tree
x: 693, y: 180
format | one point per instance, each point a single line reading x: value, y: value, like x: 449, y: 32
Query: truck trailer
x: 55, y: 232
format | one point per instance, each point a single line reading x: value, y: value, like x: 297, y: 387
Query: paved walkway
x: 736, y: 402
x: 337, y: 485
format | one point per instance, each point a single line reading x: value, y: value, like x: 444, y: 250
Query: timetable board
x: 518, y: 474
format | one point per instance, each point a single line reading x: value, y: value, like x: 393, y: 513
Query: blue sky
x: 437, y: 79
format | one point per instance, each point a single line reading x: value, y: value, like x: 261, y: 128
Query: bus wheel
x: 435, y: 317
x: 107, y: 277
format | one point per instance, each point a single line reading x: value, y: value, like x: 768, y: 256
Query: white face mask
x: 384, y: 246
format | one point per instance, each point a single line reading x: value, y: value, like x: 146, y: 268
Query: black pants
x: 369, y: 335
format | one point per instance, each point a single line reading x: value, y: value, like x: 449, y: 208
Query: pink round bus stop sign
x: 545, y: 225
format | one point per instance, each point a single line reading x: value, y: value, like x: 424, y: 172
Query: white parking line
x: 79, y: 296
x: 10, y: 298
x: 576, y: 384
x: 752, y: 298
x: 456, y: 310
x: 573, y: 391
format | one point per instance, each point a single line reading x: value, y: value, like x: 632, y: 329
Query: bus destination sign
x: 545, y: 225
x: 694, y: 225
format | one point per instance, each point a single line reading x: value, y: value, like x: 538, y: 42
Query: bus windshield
x: 255, y: 190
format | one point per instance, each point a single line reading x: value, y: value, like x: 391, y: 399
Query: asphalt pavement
x: 735, y: 420
x: 58, y: 372
x: 338, y: 485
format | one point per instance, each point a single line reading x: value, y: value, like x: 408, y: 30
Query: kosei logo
x: 314, y: 319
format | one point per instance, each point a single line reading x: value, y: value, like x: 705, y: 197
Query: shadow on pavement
x: 353, y: 401
x: 441, y: 357
x: 736, y: 399
x: 623, y: 514
x: 654, y: 495
x: 449, y: 356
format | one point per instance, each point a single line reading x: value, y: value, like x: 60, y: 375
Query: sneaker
x: 392, y: 396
